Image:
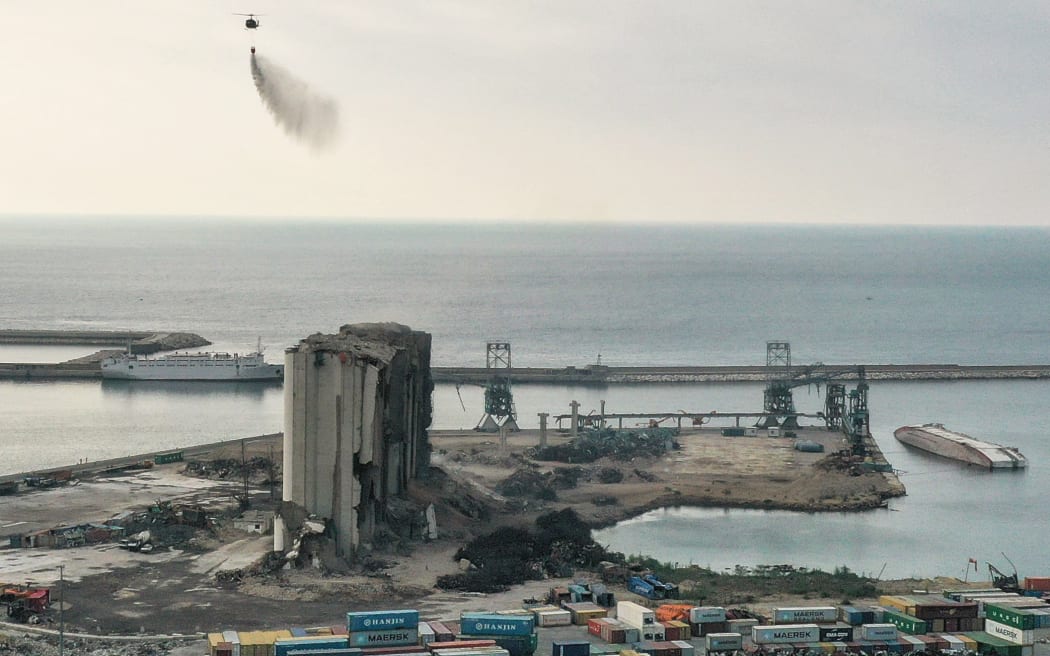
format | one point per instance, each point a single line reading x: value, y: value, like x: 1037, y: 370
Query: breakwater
x: 604, y: 375
x: 137, y: 341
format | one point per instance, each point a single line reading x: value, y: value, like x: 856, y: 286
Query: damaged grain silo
x: 357, y: 406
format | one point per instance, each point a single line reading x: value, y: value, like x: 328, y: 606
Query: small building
x: 254, y: 521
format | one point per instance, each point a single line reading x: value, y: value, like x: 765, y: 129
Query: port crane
x: 845, y: 411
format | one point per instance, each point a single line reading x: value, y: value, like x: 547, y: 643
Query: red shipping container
x: 1037, y: 583
x: 441, y: 632
x: 461, y: 644
x: 594, y: 626
x: 671, y: 632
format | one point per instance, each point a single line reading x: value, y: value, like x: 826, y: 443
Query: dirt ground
x: 175, y: 591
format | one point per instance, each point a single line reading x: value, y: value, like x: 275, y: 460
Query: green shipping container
x: 905, y: 623
x: 1018, y: 618
x: 988, y: 643
x: 165, y: 458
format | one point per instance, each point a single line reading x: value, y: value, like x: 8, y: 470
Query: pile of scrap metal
x: 25, y: 603
x: 63, y: 537
x: 620, y: 444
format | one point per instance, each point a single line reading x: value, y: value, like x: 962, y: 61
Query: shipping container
x: 805, y: 615
x: 878, y: 632
x: 785, y: 633
x: 838, y: 632
x: 583, y: 611
x: 684, y: 648
x: 733, y: 431
x: 488, y: 624
x: 701, y: 630
x: 442, y: 633
x: 634, y: 614
x: 1041, y: 583
x: 570, y: 648
x: 381, y: 620
x: 461, y: 644
x: 556, y: 617
x: 318, y: 643
x: 856, y: 615
x: 724, y: 641
x: 702, y: 614
x: 741, y: 625
x: 426, y: 634
x: 384, y: 637
x: 518, y: 645
x: 904, y: 622
x: 166, y: 458
x: 1009, y: 633
x: 1019, y: 618
x: 684, y: 632
x: 669, y: 612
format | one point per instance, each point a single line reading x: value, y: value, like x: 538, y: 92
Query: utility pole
x: 61, y: 603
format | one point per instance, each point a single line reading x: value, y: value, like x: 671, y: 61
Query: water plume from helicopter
x: 302, y: 113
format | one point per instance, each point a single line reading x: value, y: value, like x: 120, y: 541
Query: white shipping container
x: 741, y: 626
x: 652, y: 633
x: 1009, y: 633
x: 703, y: 614
x: 553, y: 618
x: 805, y: 615
x: 878, y: 631
x: 426, y: 634
x: 234, y: 639
x: 953, y: 642
x: 634, y: 614
x: 781, y: 633
x: 686, y: 647
x: 724, y: 641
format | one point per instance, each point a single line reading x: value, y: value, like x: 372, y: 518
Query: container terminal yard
x: 167, y: 546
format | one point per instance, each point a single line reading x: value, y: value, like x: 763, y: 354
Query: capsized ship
x: 192, y: 366
x: 938, y: 440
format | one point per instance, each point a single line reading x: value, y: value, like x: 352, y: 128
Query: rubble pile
x: 559, y: 544
x: 618, y: 444
x: 261, y: 470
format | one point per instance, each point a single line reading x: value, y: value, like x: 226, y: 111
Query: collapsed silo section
x: 357, y: 409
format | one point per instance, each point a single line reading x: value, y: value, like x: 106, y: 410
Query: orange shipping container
x: 670, y: 612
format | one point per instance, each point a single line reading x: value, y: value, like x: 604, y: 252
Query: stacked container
x: 583, y: 611
x: 785, y: 634
x: 613, y: 630
x: 515, y: 633
x: 709, y: 619
x: 382, y: 628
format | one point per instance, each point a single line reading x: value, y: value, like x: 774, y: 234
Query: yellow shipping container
x: 971, y: 644
x: 683, y: 627
x: 894, y: 602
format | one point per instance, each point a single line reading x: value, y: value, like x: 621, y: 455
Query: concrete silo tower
x: 357, y: 408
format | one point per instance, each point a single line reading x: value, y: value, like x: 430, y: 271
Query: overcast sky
x: 588, y: 110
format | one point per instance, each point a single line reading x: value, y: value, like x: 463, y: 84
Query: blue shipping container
x: 311, y: 651
x: 379, y: 620
x: 477, y: 624
x: 571, y: 648
x: 285, y: 646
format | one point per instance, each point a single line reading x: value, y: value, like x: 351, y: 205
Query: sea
x: 576, y: 294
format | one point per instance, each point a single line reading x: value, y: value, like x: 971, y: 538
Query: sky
x: 663, y: 111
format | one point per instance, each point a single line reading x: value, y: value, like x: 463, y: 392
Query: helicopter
x: 252, y: 23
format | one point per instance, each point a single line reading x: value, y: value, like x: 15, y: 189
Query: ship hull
x: 196, y: 367
x: 935, y: 439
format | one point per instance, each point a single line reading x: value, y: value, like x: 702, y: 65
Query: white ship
x: 938, y: 440
x: 193, y: 366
